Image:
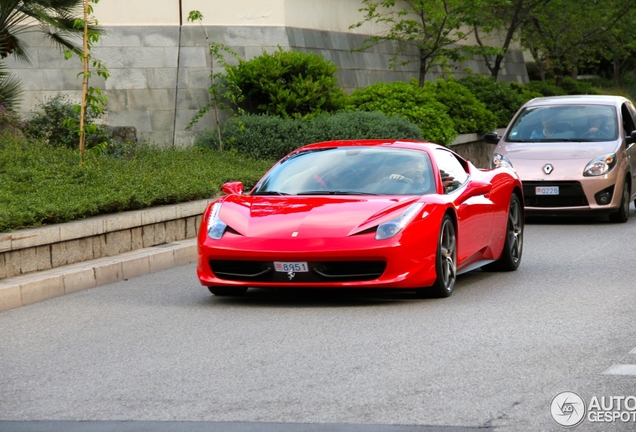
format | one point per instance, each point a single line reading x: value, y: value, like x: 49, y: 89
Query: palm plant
x: 10, y: 89
x: 55, y: 19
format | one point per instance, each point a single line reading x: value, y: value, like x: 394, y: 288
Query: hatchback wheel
x: 622, y: 215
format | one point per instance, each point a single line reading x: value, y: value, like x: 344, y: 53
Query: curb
x: 36, y: 287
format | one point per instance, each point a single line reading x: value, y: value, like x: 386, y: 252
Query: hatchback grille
x: 319, y: 271
x: 570, y: 195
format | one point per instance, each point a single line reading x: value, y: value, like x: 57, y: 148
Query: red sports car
x: 363, y: 214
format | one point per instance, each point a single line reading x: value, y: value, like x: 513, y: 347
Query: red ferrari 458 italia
x: 363, y: 214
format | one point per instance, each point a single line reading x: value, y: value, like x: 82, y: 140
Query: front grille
x: 570, y: 195
x: 319, y: 271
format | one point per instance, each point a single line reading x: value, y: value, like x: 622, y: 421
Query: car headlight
x: 499, y: 161
x: 389, y: 229
x: 600, y: 166
x: 216, y: 227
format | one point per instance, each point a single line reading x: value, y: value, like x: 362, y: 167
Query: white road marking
x: 621, y: 369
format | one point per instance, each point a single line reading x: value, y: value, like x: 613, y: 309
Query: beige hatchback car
x: 574, y: 154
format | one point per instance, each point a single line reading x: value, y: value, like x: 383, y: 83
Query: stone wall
x: 160, y: 75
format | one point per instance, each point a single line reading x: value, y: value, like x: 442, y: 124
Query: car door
x: 474, y: 213
x: 629, y: 114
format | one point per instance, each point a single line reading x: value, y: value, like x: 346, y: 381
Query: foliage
x: 8, y: 118
x: 272, y: 137
x: 568, y: 87
x: 416, y: 104
x: 46, y: 185
x: 51, y: 124
x: 55, y: 19
x: 468, y: 113
x: 500, y: 98
x: 287, y: 84
x: 220, y: 89
x: 566, y: 34
x: 92, y: 97
x: 10, y: 89
x: 432, y: 27
x: 503, y: 19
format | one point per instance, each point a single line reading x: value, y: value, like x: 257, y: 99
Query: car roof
x: 406, y: 144
x: 577, y: 100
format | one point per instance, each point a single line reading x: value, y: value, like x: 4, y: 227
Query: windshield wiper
x: 269, y: 193
x: 336, y: 192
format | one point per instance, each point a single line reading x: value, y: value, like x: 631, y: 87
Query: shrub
x: 546, y: 88
x: 573, y: 87
x: 49, y: 124
x: 468, y: 113
x: 260, y: 136
x: 500, y: 98
x: 287, y: 84
x: 409, y: 101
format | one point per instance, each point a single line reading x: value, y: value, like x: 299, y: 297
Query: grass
x: 43, y: 185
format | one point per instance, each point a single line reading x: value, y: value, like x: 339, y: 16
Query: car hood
x: 309, y: 217
x: 551, y: 151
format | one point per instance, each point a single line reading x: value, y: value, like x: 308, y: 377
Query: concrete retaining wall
x: 32, y: 250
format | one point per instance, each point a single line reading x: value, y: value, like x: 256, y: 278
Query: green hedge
x: 46, y: 185
x: 407, y: 100
x: 273, y: 137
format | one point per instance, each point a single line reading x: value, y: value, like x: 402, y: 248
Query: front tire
x: 513, y: 245
x: 445, y: 262
x: 227, y: 291
x: 622, y: 215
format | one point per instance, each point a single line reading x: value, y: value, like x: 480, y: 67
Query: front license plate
x: 547, y: 190
x: 296, y: 267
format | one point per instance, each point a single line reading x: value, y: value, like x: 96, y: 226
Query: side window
x: 451, y: 170
x: 628, y: 120
x: 631, y: 115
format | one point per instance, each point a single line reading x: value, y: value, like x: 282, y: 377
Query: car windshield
x: 580, y: 123
x: 350, y: 171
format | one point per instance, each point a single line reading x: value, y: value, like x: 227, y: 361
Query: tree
x: 503, y: 18
x: 433, y: 27
x: 566, y: 33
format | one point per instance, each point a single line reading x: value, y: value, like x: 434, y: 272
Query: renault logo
x: 548, y: 168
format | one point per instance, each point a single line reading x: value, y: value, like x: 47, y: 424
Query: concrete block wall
x: 160, y: 75
x: 32, y: 250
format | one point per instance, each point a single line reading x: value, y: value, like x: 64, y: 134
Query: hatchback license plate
x: 296, y: 267
x: 547, y: 190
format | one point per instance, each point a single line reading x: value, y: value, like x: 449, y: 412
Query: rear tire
x: 513, y: 245
x: 622, y: 215
x: 445, y: 262
x: 227, y: 291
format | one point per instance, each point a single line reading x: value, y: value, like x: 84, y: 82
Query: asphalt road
x: 159, y: 352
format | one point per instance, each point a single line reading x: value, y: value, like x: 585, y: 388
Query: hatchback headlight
x: 499, y: 160
x: 600, y: 166
x: 389, y: 229
x: 216, y: 227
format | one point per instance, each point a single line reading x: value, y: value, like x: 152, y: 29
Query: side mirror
x: 491, y: 138
x: 233, y: 188
x: 477, y: 188
x: 631, y: 138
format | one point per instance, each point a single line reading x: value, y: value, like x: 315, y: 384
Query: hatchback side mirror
x: 491, y: 138
x: 631, y: 138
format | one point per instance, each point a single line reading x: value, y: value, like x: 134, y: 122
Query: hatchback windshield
x: 564, y: 123
x: 350, y: 171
